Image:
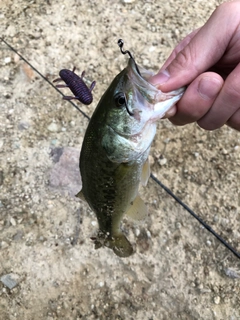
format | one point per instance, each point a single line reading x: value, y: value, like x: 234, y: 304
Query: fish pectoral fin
x: 145, y: 173
x: 137, y: 210
x: 80, y: 195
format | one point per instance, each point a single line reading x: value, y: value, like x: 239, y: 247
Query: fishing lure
x: 76, y: 85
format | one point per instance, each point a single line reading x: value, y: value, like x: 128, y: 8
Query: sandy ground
x: 179, y: 270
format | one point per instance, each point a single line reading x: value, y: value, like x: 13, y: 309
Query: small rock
x: 10, y: 280
x: 7, y: 60
x: 4, y: 245
x: 65, y: 175
x: 13, y: 221
x: 56, y: 154
x: 178, y: 225
x: 151, y: 160
x: 216, y: 300
x: 53, y: 127
x: 162, y: 162
x: 232, y: 273
x: 137, y: 232
x: 209, y: 243
x: 151, y: 49
x: 148, y: 234
x: 23, y: 125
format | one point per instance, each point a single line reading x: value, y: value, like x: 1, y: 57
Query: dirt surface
x: 179, y: 270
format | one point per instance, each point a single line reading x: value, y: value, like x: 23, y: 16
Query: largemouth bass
x: 114, y: 155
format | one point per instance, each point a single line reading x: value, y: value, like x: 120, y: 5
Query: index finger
x: 204, y: 49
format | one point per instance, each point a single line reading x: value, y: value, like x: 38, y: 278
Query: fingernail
x: 208, y: 88
x: 160, y: 78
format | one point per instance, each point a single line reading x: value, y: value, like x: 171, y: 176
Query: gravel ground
x: 48, y: 266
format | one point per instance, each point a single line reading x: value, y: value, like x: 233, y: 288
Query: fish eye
x: 120, y: 99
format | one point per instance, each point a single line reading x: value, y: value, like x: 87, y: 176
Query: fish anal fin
x: 137, y: 210
x: 145, y: 173
x: 80, y: 195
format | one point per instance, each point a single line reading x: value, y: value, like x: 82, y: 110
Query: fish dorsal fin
x: 80, y: 195
x: 137, y: 210
x: 145, y: 173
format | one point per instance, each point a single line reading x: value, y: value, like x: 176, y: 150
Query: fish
x: 114, y: 154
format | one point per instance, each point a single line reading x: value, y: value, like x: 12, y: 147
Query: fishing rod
x: 178, y: 200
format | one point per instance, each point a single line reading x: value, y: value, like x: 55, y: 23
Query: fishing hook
x: 120, y: 44
x: 129, y: 112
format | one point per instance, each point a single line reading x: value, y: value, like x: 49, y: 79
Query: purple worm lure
x: 76, y: 85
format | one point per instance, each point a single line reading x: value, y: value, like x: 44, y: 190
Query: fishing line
x: 45, y: 78
x: 203, y: 223
x: 193, y: 214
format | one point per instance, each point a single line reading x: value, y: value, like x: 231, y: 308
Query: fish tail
x: 118, y: 243
x: 121, y: 246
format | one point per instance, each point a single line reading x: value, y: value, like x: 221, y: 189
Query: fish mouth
x: 156, y: 101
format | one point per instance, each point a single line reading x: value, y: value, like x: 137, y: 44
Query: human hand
x: 207, y: 60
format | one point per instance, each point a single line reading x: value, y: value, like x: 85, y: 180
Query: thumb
x: 196, y: 55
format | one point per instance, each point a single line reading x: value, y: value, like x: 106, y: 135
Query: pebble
x: 7, y: 60
x: 151, y: 49
x: 4, y: 245
x: 224, y: 151
x: 216, y: 300
x: 10, y: 280
x: 162, y: 162
x: 149, y: 234
x: 232, y: 273
x: 178, y: 225
x: 23, y: 125
x: 13, y: 221
x: 209, y: 243
x: 166, y: 141
x: 137, y: 232
x: 53, y: 127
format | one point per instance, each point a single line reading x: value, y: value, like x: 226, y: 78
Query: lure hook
x: 120, y: 44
